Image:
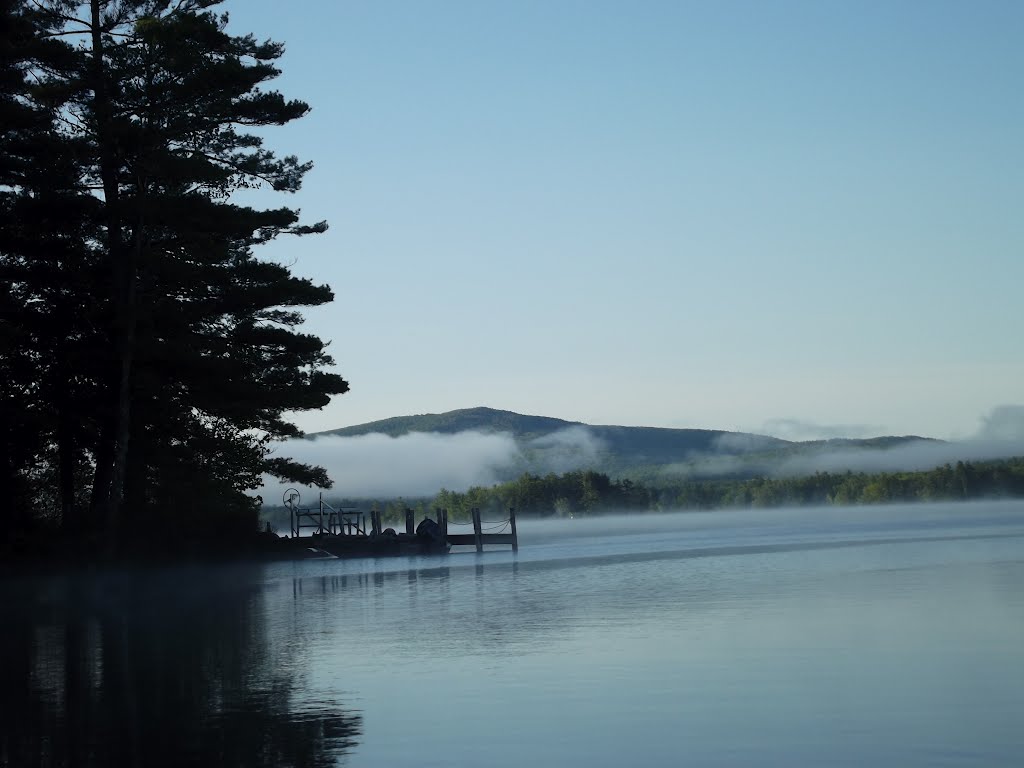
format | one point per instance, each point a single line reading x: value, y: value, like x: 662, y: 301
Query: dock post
x: 410, y: 521
x: 442, y: 521
x: 478, y: 534
x: 515, y: 536
x: 375, y: 521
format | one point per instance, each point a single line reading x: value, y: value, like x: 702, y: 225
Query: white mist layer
x: 422, y: 463
x: 908, y: 457
x: 417, y: 464
x: 1000, y: 436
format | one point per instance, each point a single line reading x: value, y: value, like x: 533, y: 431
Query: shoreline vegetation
x: 587, y: 492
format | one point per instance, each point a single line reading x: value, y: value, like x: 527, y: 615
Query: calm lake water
x: 860, y: 636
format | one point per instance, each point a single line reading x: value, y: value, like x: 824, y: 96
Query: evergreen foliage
x: 150, y: 355
x: 588, y: 492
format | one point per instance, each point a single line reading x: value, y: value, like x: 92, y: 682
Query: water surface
x: 855, y: 636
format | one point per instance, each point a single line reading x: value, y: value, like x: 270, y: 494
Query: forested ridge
x: 147, y: 354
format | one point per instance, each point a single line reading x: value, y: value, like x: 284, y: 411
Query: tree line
x: 586, y: 492
x: 147, y: 355
x: 960, y: 482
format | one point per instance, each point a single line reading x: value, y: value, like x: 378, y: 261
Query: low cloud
x: 1000, y: 436
x: 422, y: 463
x: 417, y: 464
x: 1004, y: 424
x: 917, y: 455
x: 565, y: 450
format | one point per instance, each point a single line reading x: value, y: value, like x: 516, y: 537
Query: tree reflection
x: 156, y: 668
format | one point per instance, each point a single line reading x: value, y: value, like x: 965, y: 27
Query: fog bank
x: 422, y: 463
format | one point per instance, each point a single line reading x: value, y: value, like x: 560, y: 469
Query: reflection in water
x: 154, y: 668
x: 870, y: 637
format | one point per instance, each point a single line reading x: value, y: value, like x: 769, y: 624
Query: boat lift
x: 343, y: 531
x: 323, y: 519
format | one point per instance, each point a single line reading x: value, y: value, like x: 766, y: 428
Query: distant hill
x: 557, y: 444
x: 642, y: 444
x: 487, y: 420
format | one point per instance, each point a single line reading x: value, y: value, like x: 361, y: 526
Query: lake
x: 884, y: 636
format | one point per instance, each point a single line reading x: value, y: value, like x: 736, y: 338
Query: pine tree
x: 195, y: 353
x: 46, y: 226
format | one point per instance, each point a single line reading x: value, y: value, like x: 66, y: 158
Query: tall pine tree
x: 47, y: 238
x: 195, y: 353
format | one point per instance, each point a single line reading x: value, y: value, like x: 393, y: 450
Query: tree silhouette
x: 144, y: 340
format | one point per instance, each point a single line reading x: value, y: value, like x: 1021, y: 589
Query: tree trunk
x: 112, y: 452
x: 69, y: 518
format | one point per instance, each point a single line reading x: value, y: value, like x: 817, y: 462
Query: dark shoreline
x: 48, y: 551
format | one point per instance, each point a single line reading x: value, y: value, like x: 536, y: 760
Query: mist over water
x: 818, y: 636
x: 870, y: 636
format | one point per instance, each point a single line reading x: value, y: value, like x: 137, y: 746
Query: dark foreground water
x: 886, y: 636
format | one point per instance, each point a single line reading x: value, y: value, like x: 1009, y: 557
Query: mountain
x: 640, y: 444
x: 556, y: 444
x: 487, y: 420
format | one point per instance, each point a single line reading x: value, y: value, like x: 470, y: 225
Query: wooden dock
x: 478, y: 538
x: 343, y: 532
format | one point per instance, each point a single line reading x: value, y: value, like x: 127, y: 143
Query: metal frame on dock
x: 325, y: 520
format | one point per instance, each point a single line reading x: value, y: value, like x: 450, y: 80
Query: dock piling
x: 478, y: 538
x: 478, y: 534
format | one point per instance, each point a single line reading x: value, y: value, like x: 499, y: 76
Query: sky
x: 791, y: 218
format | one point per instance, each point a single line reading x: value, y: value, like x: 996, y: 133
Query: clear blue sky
x: 797, y: 218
